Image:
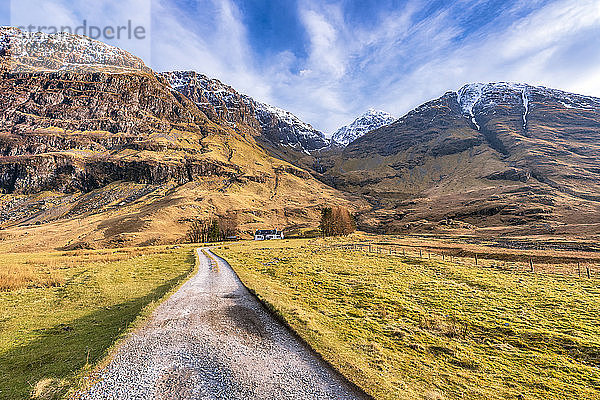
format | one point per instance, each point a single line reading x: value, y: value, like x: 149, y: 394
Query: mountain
x: 36, y: 52
x: 370, y: 120
x: 510, y: 157
x: 224, y: 105
x: 99, y: 151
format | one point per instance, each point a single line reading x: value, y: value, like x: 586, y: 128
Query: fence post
x: 578, y: 270
x: 420, y: 254
x: 531, y: 264
x: 403, y: 252
x: 476, y: 261
x: 587, y: 268
x: 443, y: 257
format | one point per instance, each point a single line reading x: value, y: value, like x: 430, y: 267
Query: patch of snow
x: 525, y: 106
x: 468, y: 96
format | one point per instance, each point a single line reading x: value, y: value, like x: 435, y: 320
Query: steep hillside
x: 92, y: 156
x: 224, y: 105
x: 512, y: 156
x: 367, y: 122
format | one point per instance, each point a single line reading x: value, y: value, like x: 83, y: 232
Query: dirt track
x: 213, y: 340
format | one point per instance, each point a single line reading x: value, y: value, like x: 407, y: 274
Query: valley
x: 473, y: 272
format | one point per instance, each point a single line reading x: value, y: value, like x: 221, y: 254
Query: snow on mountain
x: 37, y: 51
x: 291, y: 129
x: 478, y: 98
x: 370, y: 120
x: 225, y: 105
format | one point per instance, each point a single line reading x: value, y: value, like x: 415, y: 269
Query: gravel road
x: 213, y: 340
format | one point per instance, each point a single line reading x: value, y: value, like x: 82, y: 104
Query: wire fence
x: 570, y: 266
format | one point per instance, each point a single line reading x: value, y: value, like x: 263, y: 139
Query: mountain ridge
x: 501, y: 157
x: 475, y: 153
x: 226, y: 105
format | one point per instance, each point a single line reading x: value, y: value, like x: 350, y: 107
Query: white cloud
x: 216, y: 45
x: 325, y: 51
x: 534, y: 49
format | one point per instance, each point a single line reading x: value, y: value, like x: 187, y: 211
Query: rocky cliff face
x: 225, y: 105
x: 133, y: 103
x: 367, y: 122
x: 77, y: 131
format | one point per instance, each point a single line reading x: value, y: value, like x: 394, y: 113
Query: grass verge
x: 50, y: 333
x: 405, y: 328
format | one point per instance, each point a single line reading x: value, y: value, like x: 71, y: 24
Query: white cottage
x: 268, y: 234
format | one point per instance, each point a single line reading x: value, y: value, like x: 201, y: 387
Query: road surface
x: 212, y: 339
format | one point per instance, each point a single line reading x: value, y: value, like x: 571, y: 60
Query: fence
x: 579, y: 267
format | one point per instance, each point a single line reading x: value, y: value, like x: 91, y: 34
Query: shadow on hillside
x: 62, y: 350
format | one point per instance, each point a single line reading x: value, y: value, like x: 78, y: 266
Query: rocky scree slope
x: 497, y: 154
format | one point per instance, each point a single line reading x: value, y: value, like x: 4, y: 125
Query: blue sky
x: 328, y: 61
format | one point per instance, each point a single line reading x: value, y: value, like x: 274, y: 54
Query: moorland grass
x: 408, y: 328
x: 53, y: 329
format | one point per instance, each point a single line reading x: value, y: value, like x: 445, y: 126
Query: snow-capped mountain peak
x: 370, y: 120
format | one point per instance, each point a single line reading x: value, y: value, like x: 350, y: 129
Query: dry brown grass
x: 48, y: 389
x: 18, y: 276
x: 46, y: 269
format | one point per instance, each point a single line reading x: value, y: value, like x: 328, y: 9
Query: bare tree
x: 229, y: 224
x: 198, y: 231
x: 336, y: 221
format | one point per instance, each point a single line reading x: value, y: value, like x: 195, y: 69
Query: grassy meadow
x: 410, y: 328
x: 60, y: 312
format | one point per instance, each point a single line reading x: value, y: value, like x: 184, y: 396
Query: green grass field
x: 61, y: 312
x: 419, y: 329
